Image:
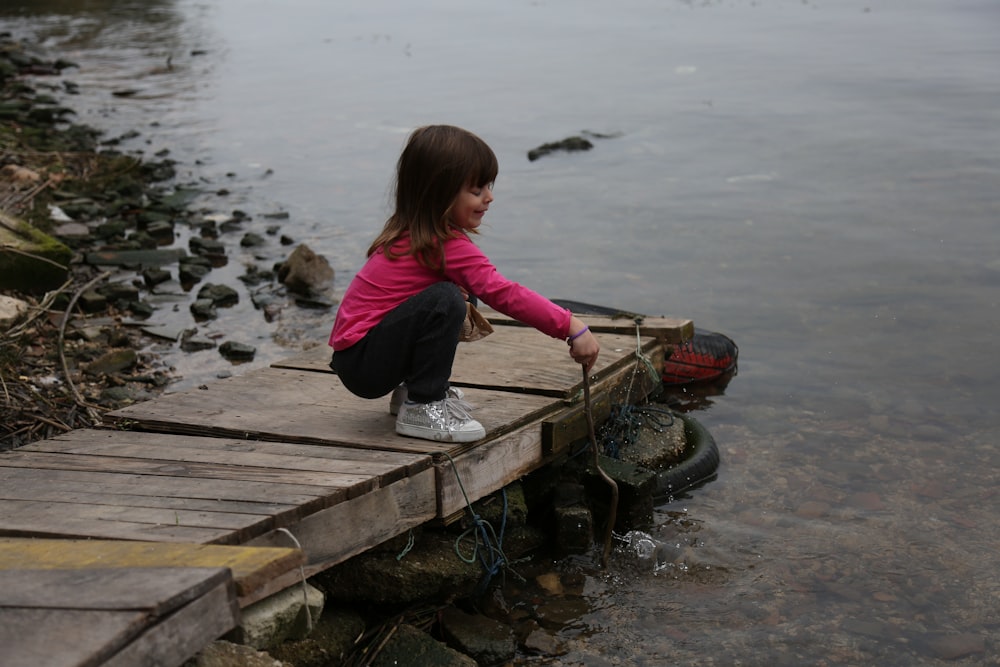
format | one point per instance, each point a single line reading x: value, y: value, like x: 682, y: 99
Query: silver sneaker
x: 399, y: 397
x: 447, y: 420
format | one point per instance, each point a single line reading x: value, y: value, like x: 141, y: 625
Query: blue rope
x: 488, y: 546
x: 626, y: 421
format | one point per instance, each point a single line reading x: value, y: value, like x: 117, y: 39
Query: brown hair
x: 437, y: 162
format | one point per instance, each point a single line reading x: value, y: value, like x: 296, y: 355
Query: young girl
x: 398, y: 325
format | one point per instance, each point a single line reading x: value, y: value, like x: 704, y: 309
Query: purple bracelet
x: 579, y: 333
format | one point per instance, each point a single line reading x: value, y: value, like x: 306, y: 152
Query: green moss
x: 30, y: 260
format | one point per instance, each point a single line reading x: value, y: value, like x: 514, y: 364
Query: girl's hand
x: 584, y: 347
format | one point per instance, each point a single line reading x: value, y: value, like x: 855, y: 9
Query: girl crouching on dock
x: 398, y: 326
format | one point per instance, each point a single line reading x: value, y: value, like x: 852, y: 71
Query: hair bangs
x: 483, y: 166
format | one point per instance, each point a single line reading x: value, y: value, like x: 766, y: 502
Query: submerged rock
x: 568, y: 144
x: 415, y: 648
x: 234, y: 351
x: 221, y: 296
x: 488, y: 641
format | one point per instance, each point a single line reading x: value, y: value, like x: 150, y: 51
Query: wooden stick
x: 613, y: 511
x: 93, y: 410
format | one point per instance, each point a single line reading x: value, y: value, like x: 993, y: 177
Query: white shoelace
x: 457, y: 409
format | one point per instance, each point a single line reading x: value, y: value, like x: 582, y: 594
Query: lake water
x: 818, y: 179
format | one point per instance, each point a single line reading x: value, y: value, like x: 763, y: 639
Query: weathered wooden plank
x: 57, y: 525
x: 162, y: 472
x: 537, y: 364
x: 183, y: 633
x: 71, y: 638
x: 335, y: 534
x: 251, y: 567
x: 156, y: 591
x: 569, y: 426
x: 514, y: 358
x: 32, y: 490
x: 84, y: 618
x: 383, y: 472
x: 307, y: 498
x: 313, y: 408
x: 487, y: 468
x: 242, y: 452
x: 217, y: 526
x: 667, y: 330
x: 154, y: 515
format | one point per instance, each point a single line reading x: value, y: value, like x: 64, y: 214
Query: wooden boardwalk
x: 285, y: 451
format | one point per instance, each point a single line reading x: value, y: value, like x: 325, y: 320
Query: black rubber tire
x: 698, y: 467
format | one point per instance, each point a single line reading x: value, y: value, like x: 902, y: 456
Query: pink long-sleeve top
x: 383, y: 283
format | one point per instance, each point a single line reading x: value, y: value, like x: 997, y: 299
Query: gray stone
x: 135, y: 258
x: 111, y: 229
x: 112, y: 362
x: 492, y: 508
x: 660, y: 442
x: 162, y: 231
x: 149, y: 217
x: 251, y: 240
x: 414, y: 648
x: 155, y: 276
x: 488, y: 641
x: 196, y: 261
x: 165, y: 331
x: 280, y: 617
x: 204, y: 309
x: 124, y: 394
x: 429, y: 571
x: 221, y: 296
x: 234, y: 351
x: 636, y: 488
x: 305, y: 271
x: 192, y: 273
x: 314, y: 303
x: 118, y: 291
x: 954, y: 646
x: 196, y: 343
x: 141, y: 309
x: 90, y: 333
x: 207, y: 247
x: 570, y: 144
x: 332, y: 638
x: 72, y: 231
x: 541, y: 641
x: 11, y: 310
x: 574, y: 532
x: 228, y: 654
x: 256, y: 276
x: 556, y: 613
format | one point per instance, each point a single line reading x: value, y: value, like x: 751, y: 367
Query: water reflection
x: 833, y: 209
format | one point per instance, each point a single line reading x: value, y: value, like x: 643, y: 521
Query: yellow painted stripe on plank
x: 251, y: 566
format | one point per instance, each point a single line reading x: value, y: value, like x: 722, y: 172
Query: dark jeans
x: 415, y: 343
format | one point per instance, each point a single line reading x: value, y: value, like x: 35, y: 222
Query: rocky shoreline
x: 90, y: 249
x: 106, y: 251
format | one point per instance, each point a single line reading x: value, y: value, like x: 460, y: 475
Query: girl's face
x: 470, y: 206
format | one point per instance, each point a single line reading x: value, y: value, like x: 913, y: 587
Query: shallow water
x: 818, y: 180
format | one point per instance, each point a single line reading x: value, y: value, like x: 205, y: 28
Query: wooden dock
x: 283, y: 452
